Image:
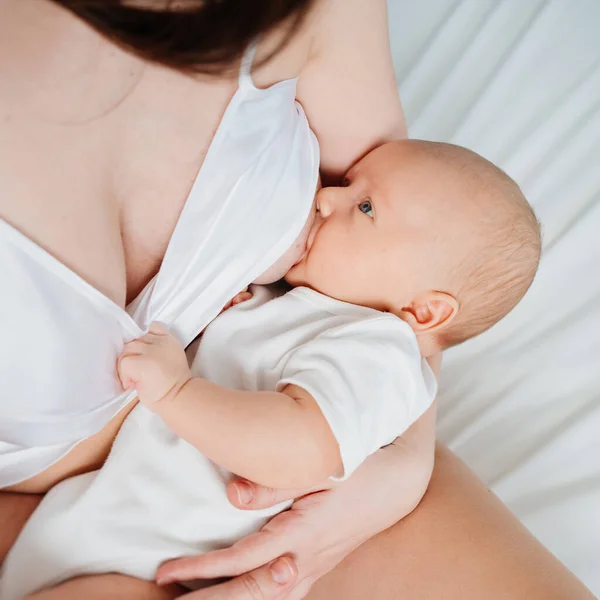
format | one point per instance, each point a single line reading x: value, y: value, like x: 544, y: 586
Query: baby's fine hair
x: 495, y: 277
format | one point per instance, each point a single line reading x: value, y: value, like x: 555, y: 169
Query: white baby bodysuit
x: 362, y: 366
x: 158, y: 498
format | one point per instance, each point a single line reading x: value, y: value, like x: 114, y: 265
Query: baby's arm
x: 280, y: 440
x: 277, y: 439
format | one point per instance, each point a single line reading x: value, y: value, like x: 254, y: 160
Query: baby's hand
x: 243, y: 296
x: 154, y: 365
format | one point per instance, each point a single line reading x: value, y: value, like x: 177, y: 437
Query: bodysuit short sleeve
x: 369, y: 380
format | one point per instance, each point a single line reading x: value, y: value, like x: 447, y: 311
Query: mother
x: 100, y: 145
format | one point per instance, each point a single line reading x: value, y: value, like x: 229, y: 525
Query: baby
x: 425, y: 246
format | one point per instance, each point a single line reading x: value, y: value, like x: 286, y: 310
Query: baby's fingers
x: 158, y: 329
x: 127, y: 383
x: 136, y: 347
x: 241, y: 297
x: 126, y: 370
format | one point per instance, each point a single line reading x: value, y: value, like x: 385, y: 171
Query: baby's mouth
x: 313, y: 233
x: 310, y: 238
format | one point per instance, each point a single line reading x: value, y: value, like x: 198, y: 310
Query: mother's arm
x: 459, y: 543
x: 347, y: 87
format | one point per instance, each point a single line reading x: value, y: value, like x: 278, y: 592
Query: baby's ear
x: 430, y: 312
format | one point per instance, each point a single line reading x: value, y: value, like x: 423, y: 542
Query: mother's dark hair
x: 201, y: 36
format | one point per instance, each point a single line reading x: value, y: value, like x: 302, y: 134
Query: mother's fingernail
x: 281, y: 571
x: 244, y: 492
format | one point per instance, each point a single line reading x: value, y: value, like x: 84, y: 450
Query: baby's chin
x: 296, y: 275
x: 280, y: 269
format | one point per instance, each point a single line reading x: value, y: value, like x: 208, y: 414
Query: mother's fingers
x: 269, y: 582
x: 249, y: 553
x: 247, y: 495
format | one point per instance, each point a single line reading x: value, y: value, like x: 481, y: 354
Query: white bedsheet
x: 519, y: 82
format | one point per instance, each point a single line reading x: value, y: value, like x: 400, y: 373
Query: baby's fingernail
x: 281, y: 571
x: 244, y: 492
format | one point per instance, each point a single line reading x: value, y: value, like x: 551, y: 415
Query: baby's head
x: 431, y: 232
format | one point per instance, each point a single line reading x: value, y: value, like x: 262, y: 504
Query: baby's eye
x: 366, y: 207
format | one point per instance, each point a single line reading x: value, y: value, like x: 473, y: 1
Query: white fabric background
x: 519, y: 82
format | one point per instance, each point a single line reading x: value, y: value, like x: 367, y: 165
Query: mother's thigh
x: 460, y: 543
x: 15, y: 509
x: 104, y: 587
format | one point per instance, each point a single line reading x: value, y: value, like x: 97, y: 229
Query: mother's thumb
x: 247, y: 495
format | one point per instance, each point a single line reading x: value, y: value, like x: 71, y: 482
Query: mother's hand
x: 297, y: 547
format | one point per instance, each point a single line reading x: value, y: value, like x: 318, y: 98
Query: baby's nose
x: 326, y: 202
